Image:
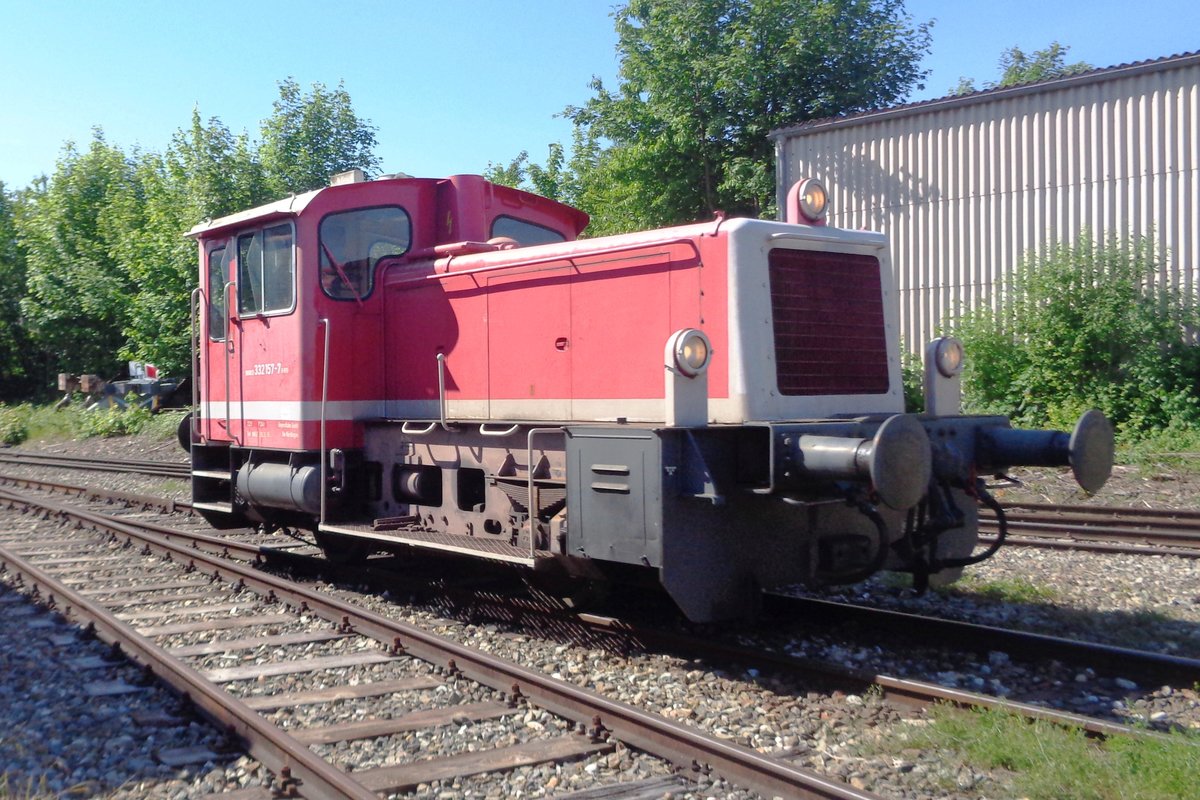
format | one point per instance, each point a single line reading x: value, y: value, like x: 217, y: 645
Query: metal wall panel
x: 966, y: 187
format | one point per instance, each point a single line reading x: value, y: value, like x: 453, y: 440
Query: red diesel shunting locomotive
x: 441, y: 364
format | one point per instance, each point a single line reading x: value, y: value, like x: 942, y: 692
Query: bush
x: 113, y: 421
x: 1086, y: 326
x: 14, y: 424
x: 913, y: 374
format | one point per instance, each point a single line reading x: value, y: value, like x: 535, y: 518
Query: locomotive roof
x: 287, y: 206
x: 295, y: 204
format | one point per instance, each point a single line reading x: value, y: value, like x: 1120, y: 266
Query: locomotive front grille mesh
x: 827, y: 310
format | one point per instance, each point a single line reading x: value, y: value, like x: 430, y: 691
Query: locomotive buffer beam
x: 897, y: 461
x: 1088, y: 450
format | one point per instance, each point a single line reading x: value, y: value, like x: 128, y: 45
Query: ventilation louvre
x: 827, y: 310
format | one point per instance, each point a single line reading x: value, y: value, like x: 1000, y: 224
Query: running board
x: 444, y: 542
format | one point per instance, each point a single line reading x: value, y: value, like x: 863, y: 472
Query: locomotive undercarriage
x: 697, y: 508
x: 715, y: 513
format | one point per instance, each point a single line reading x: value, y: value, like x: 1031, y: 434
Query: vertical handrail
x: 228, y: 358
x: 324, y: 400
x: 441, y: 366
x: 533, y: 504
x: 196, y: 299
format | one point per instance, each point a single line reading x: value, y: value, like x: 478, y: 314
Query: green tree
x: 310, y: 137
x: 206, y: 172
x: 1017, y: 67
x: 14, y: 347
x: 703, y: 82
x: 77, y: 300
x: 554, y: 179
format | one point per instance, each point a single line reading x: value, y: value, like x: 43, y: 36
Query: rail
x: 678, y: 743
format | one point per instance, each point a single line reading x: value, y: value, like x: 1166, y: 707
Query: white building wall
x: 965, y: 187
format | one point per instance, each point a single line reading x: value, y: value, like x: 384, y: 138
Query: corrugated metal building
x: 966, y: 186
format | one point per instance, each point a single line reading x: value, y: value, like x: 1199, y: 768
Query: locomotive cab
x: 441, y: 364
x: 288, y: 340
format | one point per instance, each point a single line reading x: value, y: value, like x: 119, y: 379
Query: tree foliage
x: 15, y: 363
x: 1087, y: 326
x: 94, y: 266
x: 312, y: 136
x: 1018, y: 67
x: 703, y: 82
x: 205, y: 172
x: 554, y: 179
x: 77, y: 293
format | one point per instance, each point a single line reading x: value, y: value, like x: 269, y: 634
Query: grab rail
x: 324, y: 399
x: 194, y: 304
x: 509, y: 431
x: 533, y: 504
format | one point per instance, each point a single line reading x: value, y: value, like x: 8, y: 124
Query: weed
x: 1086, y: 326
x: 12, y: 789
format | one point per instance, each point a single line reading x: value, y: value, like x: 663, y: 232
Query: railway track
x: 26, y: 458
x: 1104, y: 529
x: 1092, y: 520
x: 215, y: 582
x: 1152, y: 671
x: 911, y: 693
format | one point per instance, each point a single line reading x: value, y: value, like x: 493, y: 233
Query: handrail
x: 228, y: 353
x: 441, y: 363
x: 194, y: 302
x: 567, y: 257
x: 533, y: 505
x: 413, y: 431
x: 509, y: 431
x: 324, y: 400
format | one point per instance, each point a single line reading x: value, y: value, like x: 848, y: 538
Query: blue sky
x: 451, y: 85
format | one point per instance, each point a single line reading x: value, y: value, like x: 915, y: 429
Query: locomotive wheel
x: 184, y: 432
x: 344, y: 550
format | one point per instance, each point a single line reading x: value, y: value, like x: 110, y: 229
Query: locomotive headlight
x: 692, y: 352
x: 814, y: 200
x: 949, y: 356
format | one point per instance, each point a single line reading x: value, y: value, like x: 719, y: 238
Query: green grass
x: 1005, y: 590
x: 1054, y: 763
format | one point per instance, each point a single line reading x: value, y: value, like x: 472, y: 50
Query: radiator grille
x: 828, y: 317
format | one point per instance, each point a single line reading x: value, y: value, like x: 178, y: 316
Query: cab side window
x: 218, y: 274
x: 353, y: 242
x: 266, y: 271
x: 526, y: 233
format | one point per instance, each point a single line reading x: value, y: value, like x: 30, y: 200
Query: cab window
x: 527, y: 233
x: 353, y: 242
x: 218, y: 274
x: 266, y: 271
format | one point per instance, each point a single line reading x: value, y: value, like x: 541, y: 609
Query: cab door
x: 262, y: 348
x: 218, y: 343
